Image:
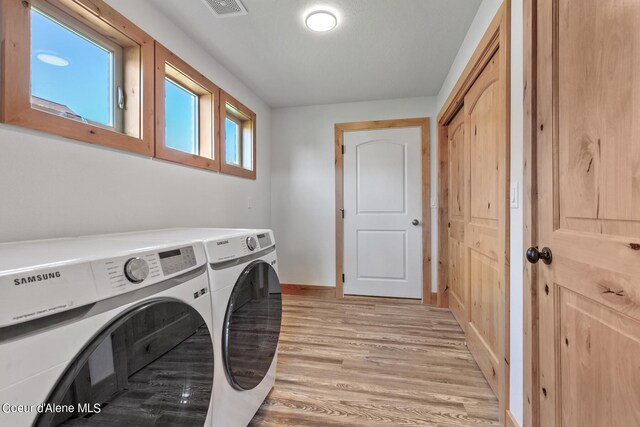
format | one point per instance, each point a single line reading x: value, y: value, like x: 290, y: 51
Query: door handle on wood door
x: 415, y: 222
x: 533, y: 256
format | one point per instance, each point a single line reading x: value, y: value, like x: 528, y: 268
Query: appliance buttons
x: 136, y: 270
x: 252, y: 244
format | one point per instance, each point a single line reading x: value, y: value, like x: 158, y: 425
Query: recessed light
x: 52, y: 59
x: 321, y: 20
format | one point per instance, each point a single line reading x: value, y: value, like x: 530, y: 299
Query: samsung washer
x: 105, y: 332
x: 247, y: 312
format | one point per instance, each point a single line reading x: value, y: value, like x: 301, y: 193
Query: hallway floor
x: 363, y: 362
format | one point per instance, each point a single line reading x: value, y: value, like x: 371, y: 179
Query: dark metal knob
x: 415, y: 222
x: 533, y: 255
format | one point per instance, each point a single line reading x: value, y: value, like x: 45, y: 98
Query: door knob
x: 415, y: 222
x: 533, y: 256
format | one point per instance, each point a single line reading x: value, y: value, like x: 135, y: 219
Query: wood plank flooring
x: 353, y: 362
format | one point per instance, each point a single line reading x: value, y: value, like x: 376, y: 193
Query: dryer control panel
x: 239, y: 246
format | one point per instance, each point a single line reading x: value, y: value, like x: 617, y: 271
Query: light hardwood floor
x: 363, y: 362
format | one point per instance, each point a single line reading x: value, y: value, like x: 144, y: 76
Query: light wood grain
x: 482, y: 96
x: 340, y: 128
x: 458, y: 275
x: 529, y: 196
x: 249, y: 124
x: 308, y: 290
x: 588, y: 161
x: 167, y: 64
x: 350, y: 362
x: 485, y: 229
x: 443, y: 215
x: 15, y: 86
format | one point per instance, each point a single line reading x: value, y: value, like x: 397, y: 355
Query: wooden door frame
x: 423, y: 124
x: 530, y: 355
x: 497, y: 36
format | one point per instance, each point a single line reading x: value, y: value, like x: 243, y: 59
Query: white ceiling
x: 381, y: 49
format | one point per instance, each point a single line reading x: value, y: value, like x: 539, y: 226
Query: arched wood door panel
x: 485, y: 231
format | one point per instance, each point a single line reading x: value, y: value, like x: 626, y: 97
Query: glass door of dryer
x: 252, y: 326
x: 153, y: 365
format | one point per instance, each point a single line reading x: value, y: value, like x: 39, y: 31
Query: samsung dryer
x: 106, y: 332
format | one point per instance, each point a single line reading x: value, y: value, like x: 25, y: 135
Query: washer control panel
x: 176, y: 260
x: 124, y: 274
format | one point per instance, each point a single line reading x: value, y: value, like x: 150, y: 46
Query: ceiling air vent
x: 226, y: 8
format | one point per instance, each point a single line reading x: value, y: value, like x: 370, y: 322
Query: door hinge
x: 342, y: 277
x: 342, y: 213
x: 343, y: 149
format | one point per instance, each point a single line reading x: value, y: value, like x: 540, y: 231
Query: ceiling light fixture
x: 52, y: 59
x: 321, y: 21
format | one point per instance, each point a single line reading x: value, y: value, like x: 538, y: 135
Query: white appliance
x: 247, y: 310
x: 117, y: 332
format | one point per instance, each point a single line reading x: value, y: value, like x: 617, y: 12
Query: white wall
x: 51, y: 186
x: 303, y: 181
x: 483, y: 18
x: 516, y: 399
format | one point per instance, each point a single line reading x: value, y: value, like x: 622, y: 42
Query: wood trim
x: 511, y: 420
x: 339, y: 137
x: 423, y: 123
x: 308, y: 290
x: 15, y: 86
x: 209, y: 123
x: 487, y: 46
x: 434, y: 298
x: 443, y: 215
x: 529, y: 197
x: 497, y: 36
x: 249, y: 115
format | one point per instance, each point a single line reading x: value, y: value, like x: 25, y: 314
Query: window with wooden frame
x: 238, y: 136
x: 78, y: 69
x: 186, y: 113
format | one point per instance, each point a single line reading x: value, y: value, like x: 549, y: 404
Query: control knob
x: 252, y: 244
x: 136, y: 270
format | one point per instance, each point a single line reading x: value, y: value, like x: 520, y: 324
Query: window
x: 181, y: 118
x: 87, y: 73
x: 238, y: 136
x: 233, y: 132
x: 75, y: 75
x: 186, y: 109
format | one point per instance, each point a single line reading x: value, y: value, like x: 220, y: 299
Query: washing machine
x: 247, y: 312
x: 99, y: 331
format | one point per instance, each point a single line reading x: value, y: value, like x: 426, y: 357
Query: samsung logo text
x: 36, y: 278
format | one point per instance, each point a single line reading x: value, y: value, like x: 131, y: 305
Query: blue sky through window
x: 181, y: 118
x: 84, y: 85
x: 231, y: 136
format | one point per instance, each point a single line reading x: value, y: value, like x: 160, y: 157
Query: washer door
x: 153, y: 365
x: 252, y: 326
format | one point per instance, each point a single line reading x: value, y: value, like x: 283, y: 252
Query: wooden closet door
x: 588, y: 145
x: 458, y: 219
x: 485, y: 233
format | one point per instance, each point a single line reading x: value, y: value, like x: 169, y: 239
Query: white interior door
x: 382, y: 213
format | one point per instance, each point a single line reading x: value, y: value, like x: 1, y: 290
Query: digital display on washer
x: 264, y: 240
x: 169, y: 254
x: 177, y: 260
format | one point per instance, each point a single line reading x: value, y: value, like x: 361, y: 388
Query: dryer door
x: 252, y: 326
x: 153, y: 365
